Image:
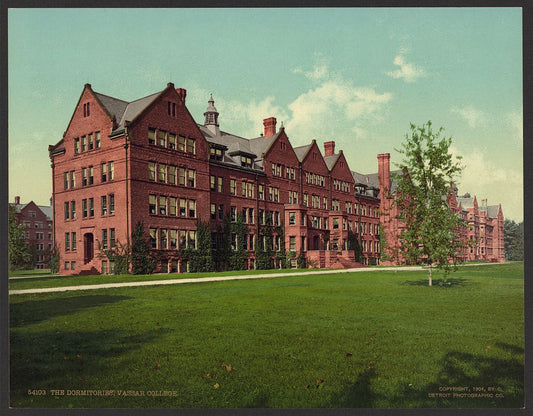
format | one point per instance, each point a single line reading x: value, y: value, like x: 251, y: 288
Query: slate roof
x: 493, y: 211
x: 114, y: 106
x: 301, y: 151
x: 331, y: 160
x: 237, y: 145
x: 47, y: 210
x: 135, y: 108
x: 466, y: 203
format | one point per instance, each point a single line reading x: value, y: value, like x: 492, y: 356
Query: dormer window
x: 216, y: 153
x: 246, y: 161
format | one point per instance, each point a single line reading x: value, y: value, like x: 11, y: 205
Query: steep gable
x: 314, y: 161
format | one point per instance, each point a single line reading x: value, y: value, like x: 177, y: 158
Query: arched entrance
x: 88, y: 247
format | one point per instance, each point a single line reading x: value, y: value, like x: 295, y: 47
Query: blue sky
x: 357, y: 76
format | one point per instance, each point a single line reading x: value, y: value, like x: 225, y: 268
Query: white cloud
x: 515, y: 120
x: 488, y: 180
x: 407, y: 71
x: 326, y: 111
x: 319, y: 72
x: 470, y: 114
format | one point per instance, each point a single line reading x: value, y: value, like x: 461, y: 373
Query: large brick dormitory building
x: 148, y: 160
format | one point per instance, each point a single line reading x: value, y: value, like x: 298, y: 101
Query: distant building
x: 38, y: 230
x: 485, y: 223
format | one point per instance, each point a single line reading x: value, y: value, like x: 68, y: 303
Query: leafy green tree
x: 513, y: 240
x: 428, y: 173
x: 142, y: 262
x: 18, y: 251
x: 201, y: 258
x: 54, y: 259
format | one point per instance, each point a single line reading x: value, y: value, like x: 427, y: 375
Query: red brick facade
x: 38, y: 234
x: 120, y: 162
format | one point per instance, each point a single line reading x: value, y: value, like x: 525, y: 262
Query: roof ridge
x: 109, y: 96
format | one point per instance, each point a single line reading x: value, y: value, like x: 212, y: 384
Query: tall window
x: 83, y: 143
x: 104, y: 239
x: 191, y: 178
x: 151, y: 171
x: 103, y: 204
x: 90, y: 143
x: 103, y: 171
x: 181, y: 143
x: 111, y: 202
x: 182, y: 176
x: 171, y: 140
x: 76, y: 145
x: 191, y: 146
x: 172, y: 206
x: 163, y: 239
x: 67, y: 210
x: 212, y: 182
x: 111, y: 169
x: 152, y: 204
x: 183, y: 207
x: 67, y: 241
x: 153, y: 238
x: 162, y: 205
x: 173, y: 239
x: 232, y: 186
x: 97, y: 140
x: 220, y: 184
x: 91, y: 207
x: 83, y: 176
x: 91, y: 175
x: 172, y: 175
x: 162, y: 172
x: 72, y: 210
x: 192, y: 208
x: 84, y: 208
x: 162, y: 138
x: 261, y: 191
x: 151, y: 136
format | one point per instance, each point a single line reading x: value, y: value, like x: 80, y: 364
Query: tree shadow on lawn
x: 64, y: 360
x: 459, y: 369
x: 437, y: 282
x: 34, y: 311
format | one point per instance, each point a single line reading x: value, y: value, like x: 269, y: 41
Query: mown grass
x: 381, y: 339
x: 33, y: 272
x: 41, y: 281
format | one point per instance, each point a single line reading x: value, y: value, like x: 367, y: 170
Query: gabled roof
x: 114, y: 106
x: 466, y: 202
x: 301, y: 151
x: 47, y: 210
x: 135, y: 108
x: 492, y: 211
x: 331, y: 160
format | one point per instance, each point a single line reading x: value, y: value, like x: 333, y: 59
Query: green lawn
x: 43, y: 281
x: 378, y: 339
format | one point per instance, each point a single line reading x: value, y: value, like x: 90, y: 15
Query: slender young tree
x: 19, y: 253
x: 430, y: 228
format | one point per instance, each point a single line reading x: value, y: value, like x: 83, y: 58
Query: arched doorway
x: 88, y: 247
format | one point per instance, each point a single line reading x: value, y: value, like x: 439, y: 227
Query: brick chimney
x: 17, y: 200
x: 270, y: 126
x: 384, y: 173
x: 329, y: 148
x: 182, y: 93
